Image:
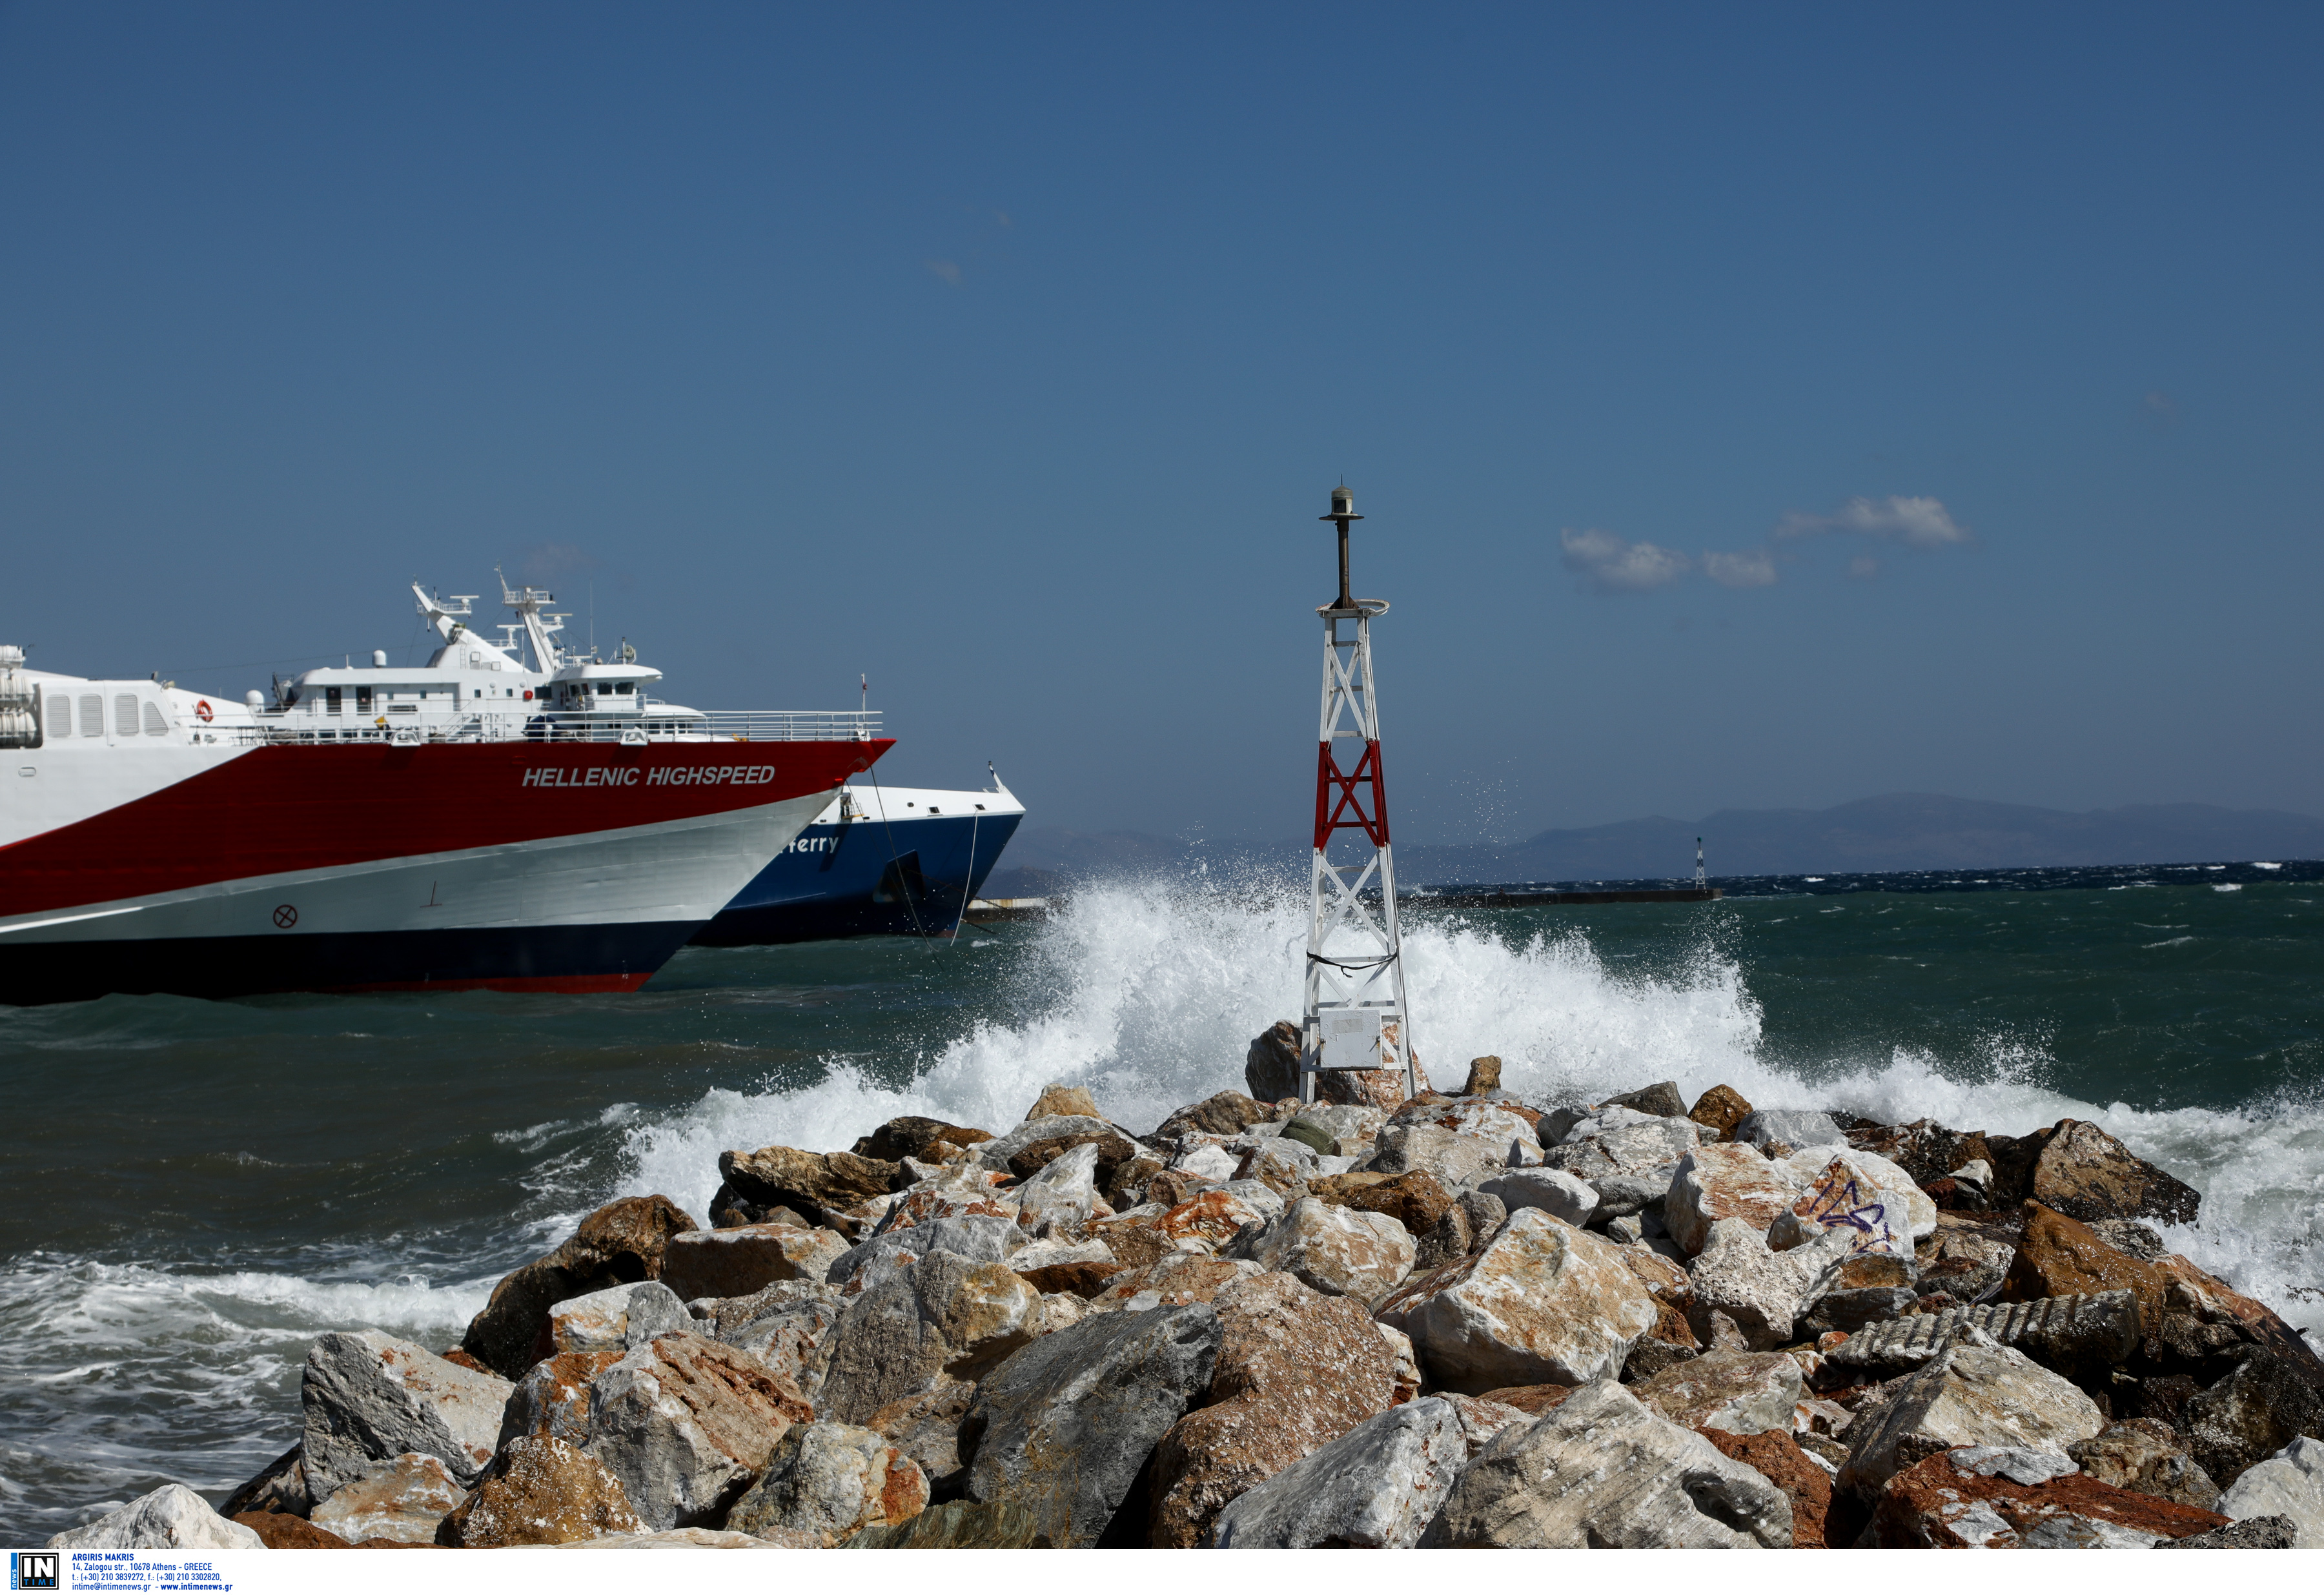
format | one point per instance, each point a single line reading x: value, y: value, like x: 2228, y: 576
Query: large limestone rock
x: 1976, y: 1393
x: 1544, y: 1303
x: 1059, y: 1098
x: 403, y: 1499
x: 1494, y: 1121
x: 1866, y: 1193
x: 976, y: 1239
x: 819, y: 1186
x: 621, y: 1243
x: 1741, y: 1394
x: 1459, y: 1162
x: 1295, y: 1370
x: 1065, y: 1129
x: 1337, y: 1250
x: 2149, y: 1456
x: 2251, y: 1415
x: 1063, y: 1193
x: 1778, y: 1458
x: 1997, y: 1498
x: 943, y: 1317
x: 685, y: 1424
x: 742, y: 1260
x: 1787, y: 1127
x: 540, y: 1491
x: 1762, y: 1291
x: 170, y: 1519
x: 2059, y: 1256
x: 1556, y: 1193
x: 958, y: 1191
x: 959, y: 1525
x: 2289, y: 1484
x: 369, y: 1396
x: 1602, y: 1470
x: 828, y: 1481
x: 1720, y: 1110
x: 1417, y: 1200
x: 913, y: 1136
x: 1726, y: 1180
x: 1375, y: 1487
x: 1661, y: 1100
x: 615, y: 1320
x: 1062, y: 1428
x: 2086, y: 1173
x: 787, y: 1326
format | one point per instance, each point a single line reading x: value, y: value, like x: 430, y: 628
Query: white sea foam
x: 1150, y: 999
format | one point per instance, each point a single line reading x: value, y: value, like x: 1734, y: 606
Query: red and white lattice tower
x: 1355, y: 1016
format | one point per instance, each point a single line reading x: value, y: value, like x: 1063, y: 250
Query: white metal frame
x: 1355, y: 956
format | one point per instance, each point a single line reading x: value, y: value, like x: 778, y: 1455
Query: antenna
x: 1354, y: 1017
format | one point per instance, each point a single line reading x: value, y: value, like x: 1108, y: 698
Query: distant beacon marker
x: 1354, y: 1016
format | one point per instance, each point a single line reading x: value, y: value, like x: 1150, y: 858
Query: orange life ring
x: 202, y: 710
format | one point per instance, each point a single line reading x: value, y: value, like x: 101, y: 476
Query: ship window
x: 626, y: 687
x: 61, y: 716
x: 125, y: 714
x: 332, y: 696
x: 362, y: 700
x: 154, y: 724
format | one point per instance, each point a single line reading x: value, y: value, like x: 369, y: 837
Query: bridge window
x: 332, y: 696
x: 362, y: 700
x: 59, y: 715
x: 125, y: 714
x: 154, y: 724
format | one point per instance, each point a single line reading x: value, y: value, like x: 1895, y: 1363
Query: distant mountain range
x: 1900, y: 831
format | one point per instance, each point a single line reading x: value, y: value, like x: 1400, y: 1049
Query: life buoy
x: 202, y: 710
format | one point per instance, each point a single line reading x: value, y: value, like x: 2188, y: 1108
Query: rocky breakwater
x: 1458, y: 1320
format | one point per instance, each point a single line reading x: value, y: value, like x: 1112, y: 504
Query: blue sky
x: 1958, y: 371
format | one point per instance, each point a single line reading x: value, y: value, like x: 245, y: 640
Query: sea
x: 191, y: 1192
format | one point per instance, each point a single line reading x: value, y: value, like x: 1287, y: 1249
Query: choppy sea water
x: 191, y: 1192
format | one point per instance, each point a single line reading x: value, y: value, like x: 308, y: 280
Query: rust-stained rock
x: 2149, y: 1456
x: 825, y: 1483
x: 1113, y: 1150
x: 402, y: 1497
x: 621, y: 1243
x: 1208, y: 1221
x: 743, y: 1261
x: 1726, y: 1180
x: 1226, y: 1113
x: 1944, y: 1502
x: 1661, y: 1099
x: 1065, y: 1098
x: 1177, y: 1280
x: 1542, y: 1303
x: 1417, y: 1200
x: 540, y: 1491
x: 1747, y: 1395
x: 1484, y: 1075
x: 2059, y: 1256
x: 1341, y: 1252
x: 816, y: 1184
x: 1975, y: 1393
x: 2193, y: 1292
x: 1295, y: 1370
x: 2086, y: 1173
x: 1780, y: 1461
x: 1530, y: 1399
x: 943, y: 1317
x: 926, y: 1427
x: 1083, y: 1279
x: 686, y: 1423
x: 2247, y: 1417
x: 1720, y: 1110
x: 552, y: 1399
x: 1924, y: 1148
x: 282, y: 1531
x: 912, y: 1137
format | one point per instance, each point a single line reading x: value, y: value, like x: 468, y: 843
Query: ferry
x: 894, y: 861
x: 513, y: 815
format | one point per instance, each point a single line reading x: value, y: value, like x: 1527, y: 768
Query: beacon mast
x: 1355, y: 1016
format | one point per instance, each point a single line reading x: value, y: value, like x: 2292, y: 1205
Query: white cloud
x: 1916, y: 523
x: 1616, y: 565
x: 1753, y: 567
x: 1864, y: 567
x: 943, y: 271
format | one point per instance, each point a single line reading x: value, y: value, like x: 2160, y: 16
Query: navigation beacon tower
x: 1355, y: 1016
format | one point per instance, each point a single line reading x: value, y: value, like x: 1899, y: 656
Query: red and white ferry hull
x: 226, y: 870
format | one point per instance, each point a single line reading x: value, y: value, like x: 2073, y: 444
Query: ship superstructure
x: 510, y: 814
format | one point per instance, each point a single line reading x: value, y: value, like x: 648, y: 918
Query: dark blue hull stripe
x: 901, y: 878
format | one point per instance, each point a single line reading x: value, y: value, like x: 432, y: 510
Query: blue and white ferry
x: 879, y: 860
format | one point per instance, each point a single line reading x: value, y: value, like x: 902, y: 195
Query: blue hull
x: 908, y: 877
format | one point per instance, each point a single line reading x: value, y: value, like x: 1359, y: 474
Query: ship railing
x: 741, y: 725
